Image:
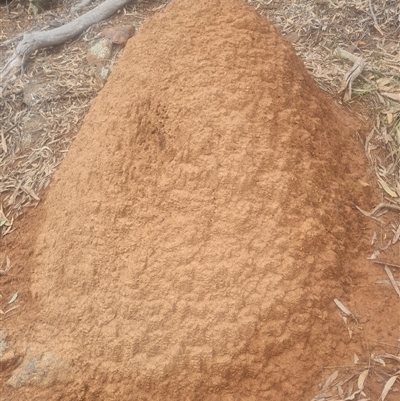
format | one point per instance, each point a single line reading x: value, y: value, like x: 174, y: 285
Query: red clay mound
x: 200, y: 227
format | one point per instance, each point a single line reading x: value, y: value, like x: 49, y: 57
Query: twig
x: 9, y: 129
x: 387, y: 264
x: 11, y: 309
x: 386, y: 282
x: 388, y: 206
x: 352, y: 74
x: 376, y: 25
x: 383, y: 343
x: 369, y: 215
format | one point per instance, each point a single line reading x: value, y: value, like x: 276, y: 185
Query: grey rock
x: 42, y: 370
x: 100, y: 51
x: 8, y: 358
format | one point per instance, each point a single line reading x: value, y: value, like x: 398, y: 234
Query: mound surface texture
x: 196, y: 234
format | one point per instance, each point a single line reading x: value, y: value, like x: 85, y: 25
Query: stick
x: 385, y: 263
x: 352, y: 74
x: 388, y: 206
x: 376, y: 25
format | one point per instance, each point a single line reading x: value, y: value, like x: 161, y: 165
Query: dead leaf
x: 330, y: 380
x: 393, y: 96
x: 384, y: 84
x: 352, y: 396
x: 396, y: 235
x: 340, y: 391
x: 376, y: 358
x: 363, y: 183
x: 387, y: 188
x: 30, y: 192
x: 390, y: 356
x: 361, y: 379
x: 350, y: 331
x: 392, y: 280
x: 3, y: 143
x: 374, y: 255
x: 344, y: 309
x: 3, y: 219
x: 388, y: 386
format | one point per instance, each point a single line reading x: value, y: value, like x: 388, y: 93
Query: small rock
x: 8, y: 358
x: 119, y: 34
x: 33, y: 126
x: 293, y: 37
x: 3, y: 343
x: 42, y: 370
x: 102, y: 73
x: 100, y: 51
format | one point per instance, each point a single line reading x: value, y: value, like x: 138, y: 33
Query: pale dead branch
x: 39, y: 39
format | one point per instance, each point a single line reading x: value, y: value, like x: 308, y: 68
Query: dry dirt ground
x: 193, y: 241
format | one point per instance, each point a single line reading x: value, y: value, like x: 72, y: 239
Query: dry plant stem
x: 387, y: 206
x: 376, y: 25
x: 9, y: 129
x: 39, y: 39
x: 386, y: 264
x: 370, y: 215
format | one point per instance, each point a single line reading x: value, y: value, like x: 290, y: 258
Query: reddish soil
x: 194, y: 238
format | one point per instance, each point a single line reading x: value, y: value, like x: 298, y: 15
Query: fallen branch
x: 381, y: 206
x: 40, y: 39
x: 352, y: 74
